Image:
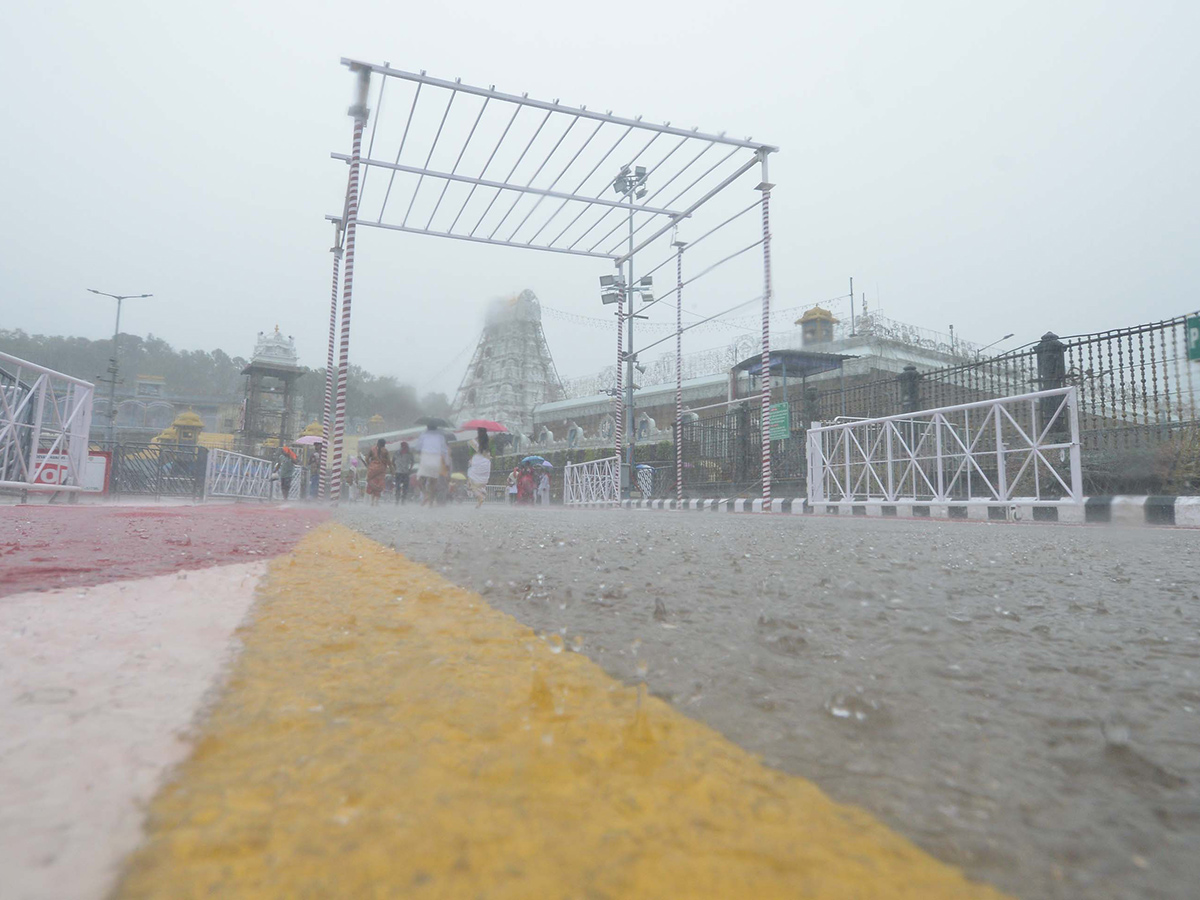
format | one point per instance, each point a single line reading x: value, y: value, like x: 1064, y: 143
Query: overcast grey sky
x: 1003, y: 167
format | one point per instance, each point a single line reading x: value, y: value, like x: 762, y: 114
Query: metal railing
x: 237, y: 476
x: 1023, y: 448
x: 44, y: 421
x: 157, y: 469
x: 593, y: 482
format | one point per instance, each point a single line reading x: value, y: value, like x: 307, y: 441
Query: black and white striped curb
x: 1121, y: 510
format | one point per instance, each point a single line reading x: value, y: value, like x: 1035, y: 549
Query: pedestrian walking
x: 287, y: 468
x: 404, y: 468
x: 479, y: 470
x: 526, y: 486
x: 379, y: 463
x: 512, y: 485
x: 544, y: 489
x: 433, y: 462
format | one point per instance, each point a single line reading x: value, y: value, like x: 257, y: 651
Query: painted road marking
x: 98, y: 688
x: 386, y: 733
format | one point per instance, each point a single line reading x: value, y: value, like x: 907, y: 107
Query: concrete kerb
x: 1119, y: 510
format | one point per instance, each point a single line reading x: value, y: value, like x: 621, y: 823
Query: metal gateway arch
x: 477, y: 165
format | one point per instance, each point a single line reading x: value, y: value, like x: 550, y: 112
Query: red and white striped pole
x: 326, y: 483
x: 359, y: 111
x: 619, y: 395
x: 765, y: 186
x: 679, y: 245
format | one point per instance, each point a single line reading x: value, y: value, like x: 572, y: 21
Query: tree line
x: 215, y: 374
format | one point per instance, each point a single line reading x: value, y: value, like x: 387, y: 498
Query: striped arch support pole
x: 359, y: 111
x: 679, y: 245
x: 766, y: 343
x: 326, y: 483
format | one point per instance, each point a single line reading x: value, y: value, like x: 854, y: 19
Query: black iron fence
x: 155, y: 470
x: 1138, y: 407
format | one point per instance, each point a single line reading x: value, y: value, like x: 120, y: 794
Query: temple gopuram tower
x: 512, y: 370
x: 270, y: 406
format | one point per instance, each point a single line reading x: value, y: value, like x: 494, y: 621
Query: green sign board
x: 1193, y: 337
x: 781, y: 421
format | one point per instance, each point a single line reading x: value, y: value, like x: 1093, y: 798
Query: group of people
x: 427, y: 463
x: 528, y: 484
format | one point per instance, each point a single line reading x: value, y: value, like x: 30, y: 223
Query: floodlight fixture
x: 641, y: 193
x: 610, y: 297
x: 647, y: 297
x: 640, y: 172
x: 608, y: 280
x: 646, y: 281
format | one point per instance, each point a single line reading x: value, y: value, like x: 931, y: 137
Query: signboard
x: 95, y: 472
x: 781, y: 421
x: 1193, y: 337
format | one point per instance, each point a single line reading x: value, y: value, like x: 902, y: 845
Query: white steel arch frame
x: 542, y: 185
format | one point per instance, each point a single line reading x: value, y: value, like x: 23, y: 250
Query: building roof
x: 799, y: 363
x: 645, y: 394
x: 188, y: 419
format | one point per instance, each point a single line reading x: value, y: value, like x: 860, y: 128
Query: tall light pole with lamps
x: 631, y: 183
x: 114, y: 367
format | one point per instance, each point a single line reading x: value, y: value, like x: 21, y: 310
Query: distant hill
x: 216, y: 373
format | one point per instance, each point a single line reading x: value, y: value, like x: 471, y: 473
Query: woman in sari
x: 378, y: 465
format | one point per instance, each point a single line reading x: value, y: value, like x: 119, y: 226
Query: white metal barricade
x: 1023, y: 448
x: 45, y: 417
x: 237, y: 476
x: 592, y: 483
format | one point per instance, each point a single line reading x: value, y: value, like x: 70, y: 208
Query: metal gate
x: 990, y: 452
x: 237, y: 476
x: 44, y: 421
x: 592, y: 482
x: 158, y: 470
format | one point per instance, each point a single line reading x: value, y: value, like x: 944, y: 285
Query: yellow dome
x: 314, y: 429
x: 817, y: 313
x: 188, y: 419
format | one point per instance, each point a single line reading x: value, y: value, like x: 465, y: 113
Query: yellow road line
x: 388, y: 734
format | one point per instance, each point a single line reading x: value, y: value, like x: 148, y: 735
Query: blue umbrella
x: 532, y: 459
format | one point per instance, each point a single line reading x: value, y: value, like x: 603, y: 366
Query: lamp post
x: 979, y: 352
x: 631, y: 184
x: 113, y: 365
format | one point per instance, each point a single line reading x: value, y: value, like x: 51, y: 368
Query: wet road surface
x: 1022, y: 701
x: 44, y: 547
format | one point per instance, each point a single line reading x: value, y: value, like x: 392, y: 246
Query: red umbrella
x: 482, y: 423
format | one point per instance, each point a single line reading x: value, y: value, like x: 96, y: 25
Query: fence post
x: 910, y: 389
x: 743, y: 445
x: 812, y: 407
x: 1052, y: 374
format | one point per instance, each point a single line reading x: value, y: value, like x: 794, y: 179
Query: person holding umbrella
x: 433, y: 459
x: 480, y: 469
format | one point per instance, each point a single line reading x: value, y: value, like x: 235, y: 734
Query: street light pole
x: 979, y: 352
x: 630, y: 424
x: 114, y: 365
x: 630, y: 183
